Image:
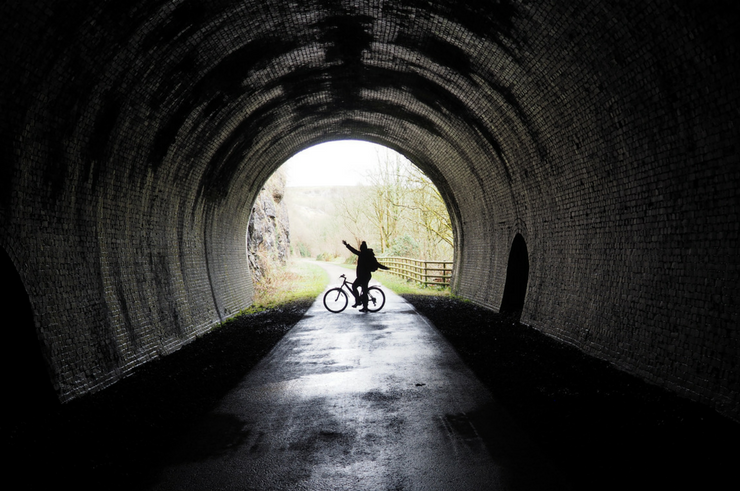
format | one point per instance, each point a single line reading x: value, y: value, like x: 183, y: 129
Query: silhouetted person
x: 366, y: 264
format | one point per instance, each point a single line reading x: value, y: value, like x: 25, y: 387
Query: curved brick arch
x: 136, y: 135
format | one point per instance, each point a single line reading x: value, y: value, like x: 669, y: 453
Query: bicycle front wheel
x: 375, y: 299
x: 335, y: 300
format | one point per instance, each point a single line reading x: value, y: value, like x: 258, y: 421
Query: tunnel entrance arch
x: 517, y: 276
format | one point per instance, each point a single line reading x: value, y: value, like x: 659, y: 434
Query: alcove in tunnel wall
x: 136, y: 135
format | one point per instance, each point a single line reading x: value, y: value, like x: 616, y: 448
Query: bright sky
x: 337, y: 163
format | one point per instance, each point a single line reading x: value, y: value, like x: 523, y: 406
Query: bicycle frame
x: 375, y: 297
x: 346, y: 284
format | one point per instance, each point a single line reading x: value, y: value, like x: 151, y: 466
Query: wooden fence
x: 426, y: 272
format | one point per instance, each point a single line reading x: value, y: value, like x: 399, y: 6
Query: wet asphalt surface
x: 467, y: 401
x: 359, y: 402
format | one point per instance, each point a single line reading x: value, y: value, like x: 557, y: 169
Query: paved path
x: 355, y: 401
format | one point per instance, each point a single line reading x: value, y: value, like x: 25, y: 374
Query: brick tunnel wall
x: 136, y: 135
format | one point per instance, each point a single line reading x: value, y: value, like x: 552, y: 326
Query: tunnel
x: 599, y: 138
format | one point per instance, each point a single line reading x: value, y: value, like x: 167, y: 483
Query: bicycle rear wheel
x: 335, y: 300
x: 375, y: 299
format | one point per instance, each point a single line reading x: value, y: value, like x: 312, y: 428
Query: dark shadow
x: 491, y: 429
x: 517, y: 275
x: 25, y: 372
x: 29, y: 399
x: 216, y: 434
x: 116, y: 438
x: 603, y: 428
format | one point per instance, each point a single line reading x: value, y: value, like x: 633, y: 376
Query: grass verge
x: 295, y: 281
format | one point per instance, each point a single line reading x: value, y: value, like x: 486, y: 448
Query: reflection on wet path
x: 358, y: 401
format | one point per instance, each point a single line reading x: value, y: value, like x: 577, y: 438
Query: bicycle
x: 336, y: 299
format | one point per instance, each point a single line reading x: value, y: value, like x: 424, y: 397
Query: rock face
x: 268, y: 234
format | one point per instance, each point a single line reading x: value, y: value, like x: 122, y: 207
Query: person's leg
x: 365, y: 282
x: 355, y: 286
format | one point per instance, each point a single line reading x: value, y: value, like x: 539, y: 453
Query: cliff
x: 268, y: 239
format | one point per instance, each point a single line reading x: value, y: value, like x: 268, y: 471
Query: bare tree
x: 430, y: 215
x: 352, y: 211
x: 400, y: 202
x: 389, y: 186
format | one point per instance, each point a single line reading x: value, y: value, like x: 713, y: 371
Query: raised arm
x: 352, y: 249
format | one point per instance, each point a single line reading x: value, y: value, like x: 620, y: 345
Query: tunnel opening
x: 517, y: 276
x: 359, y: 190
x: 353, y: 190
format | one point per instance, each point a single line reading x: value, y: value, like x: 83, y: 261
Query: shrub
x: 303, y: 250
x: 326, y: 256
x: 404, y: 246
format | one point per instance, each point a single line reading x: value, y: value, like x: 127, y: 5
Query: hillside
x: 316, y: 221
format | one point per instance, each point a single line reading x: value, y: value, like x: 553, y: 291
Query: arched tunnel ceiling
x: 601, y: 132
x: 223, y: 81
